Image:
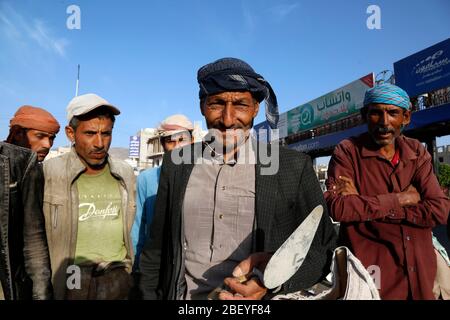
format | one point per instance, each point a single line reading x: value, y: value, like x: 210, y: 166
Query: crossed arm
x: 421, y: 203
x: 344, y: 186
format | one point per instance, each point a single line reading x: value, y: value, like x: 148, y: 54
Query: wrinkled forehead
x: 383, y: 107
x: 231, y: 95
x: 96, y: 123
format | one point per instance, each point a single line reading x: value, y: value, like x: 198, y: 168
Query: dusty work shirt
x: 218, y: 214
x: 394, y: 241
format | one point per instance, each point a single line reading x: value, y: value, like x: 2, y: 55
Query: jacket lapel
x: 265, y: 206
x: 4, y: 198
x: 184, y: 172
x: 5, y: 266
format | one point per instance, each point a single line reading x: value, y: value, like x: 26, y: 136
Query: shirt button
x: 412, y: 269
x: 220, y: 216
x: 408, y: 238
x: 223, y: 187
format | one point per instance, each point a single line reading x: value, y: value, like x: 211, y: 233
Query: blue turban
x: 388, y: 94
x: 231, y: 74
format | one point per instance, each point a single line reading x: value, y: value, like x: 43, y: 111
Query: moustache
x: 98, y: 151
x: 42, y: 150
x: 223, y: 128
x: 384, y: 130
x: 232, y: 131
x: 228, y: 134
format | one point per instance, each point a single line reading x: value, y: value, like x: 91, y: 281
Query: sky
x: 143, y: 56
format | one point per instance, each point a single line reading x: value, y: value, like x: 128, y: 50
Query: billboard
x: 333, y: 106
x: 133, y: 150
x: 424, y: 71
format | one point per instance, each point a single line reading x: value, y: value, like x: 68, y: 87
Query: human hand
x: 244, y: 285
x: 344, y: 186
x: 409, y: 197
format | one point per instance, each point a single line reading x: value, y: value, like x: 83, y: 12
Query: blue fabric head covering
x: 388, y: 94
x: 231, y: 74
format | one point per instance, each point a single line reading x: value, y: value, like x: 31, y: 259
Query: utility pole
x: 385, y: 76
x: 78, y: 82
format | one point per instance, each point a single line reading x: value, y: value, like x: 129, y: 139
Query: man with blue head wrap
x: 382, y: 189
x: 220, y: 215
x: 387, y: 93
x: 392, y: 100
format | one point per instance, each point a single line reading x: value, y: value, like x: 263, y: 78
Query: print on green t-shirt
x: 100, y: 221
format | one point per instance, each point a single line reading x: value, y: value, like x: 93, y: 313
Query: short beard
x: 98, y: 166
x: 382, y: 143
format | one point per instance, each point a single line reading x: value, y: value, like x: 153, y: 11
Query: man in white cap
x: 89, y: 208
x: 175, y: 132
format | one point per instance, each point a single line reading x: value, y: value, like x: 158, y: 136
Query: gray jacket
x: 61, y: 211
x: 24, y: 259
x: 283, y: 200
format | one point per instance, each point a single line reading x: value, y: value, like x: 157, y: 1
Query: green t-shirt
x: 100, y: 221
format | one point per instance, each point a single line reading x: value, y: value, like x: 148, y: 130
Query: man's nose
x: 98, y: 141
x: 228, y: 116
x: 46, y: 143
x: 384, y: 119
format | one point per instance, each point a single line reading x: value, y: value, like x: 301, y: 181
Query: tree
x: 444, y: 175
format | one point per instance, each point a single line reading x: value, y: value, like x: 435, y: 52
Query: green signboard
x: 336, y: 105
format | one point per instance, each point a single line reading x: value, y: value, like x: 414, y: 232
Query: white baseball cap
x: 87, y: 102
x: 174, y: 124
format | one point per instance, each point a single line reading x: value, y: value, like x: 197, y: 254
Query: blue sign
x: 133, y: 150
x: 424, y: 71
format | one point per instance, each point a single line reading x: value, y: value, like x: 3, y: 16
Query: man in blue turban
x: 392, y: 100
x: 382, y: 189
x: 387, y: 93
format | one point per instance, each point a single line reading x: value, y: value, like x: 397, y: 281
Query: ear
x: 70, y: 133
x: 363, y: 111
x: 202, y: 103
x: 406, y: 117
x: 255, y: 113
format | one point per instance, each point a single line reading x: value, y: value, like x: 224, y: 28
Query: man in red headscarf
x: 33, y: 128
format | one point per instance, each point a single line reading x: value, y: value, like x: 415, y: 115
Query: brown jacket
x: 61, y: 211
x: 380, y: 232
